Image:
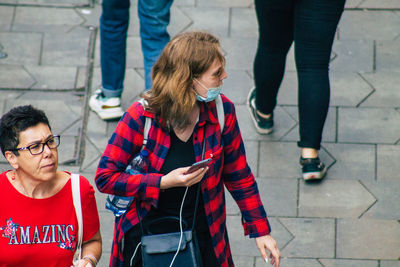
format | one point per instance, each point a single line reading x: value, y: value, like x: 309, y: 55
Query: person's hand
x: 178, y: 178
x: 82, y: 263
x: 267, y: 242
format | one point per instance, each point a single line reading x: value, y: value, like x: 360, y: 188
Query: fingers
x: 275, y: 256
x: 263, y: 253
x: 265, y: 243
x: 177, y: 178
x: 261, y: 247
x: 195, y: 176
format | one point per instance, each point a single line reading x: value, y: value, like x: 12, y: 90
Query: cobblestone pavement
x: 50, y: 51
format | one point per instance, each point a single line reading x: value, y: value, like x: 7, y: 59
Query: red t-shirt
x: 42, y: 232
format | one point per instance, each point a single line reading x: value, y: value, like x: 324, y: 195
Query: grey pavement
x: 351, y: 218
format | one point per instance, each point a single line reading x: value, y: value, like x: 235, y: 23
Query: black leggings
x: 311, y: 25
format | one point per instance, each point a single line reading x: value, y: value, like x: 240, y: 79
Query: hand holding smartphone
x: 197, y: 165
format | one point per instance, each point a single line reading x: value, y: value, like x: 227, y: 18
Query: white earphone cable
x: 180, y: 228
x: 134, y: 253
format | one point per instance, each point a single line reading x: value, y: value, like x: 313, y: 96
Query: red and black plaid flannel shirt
x: 229, y: 168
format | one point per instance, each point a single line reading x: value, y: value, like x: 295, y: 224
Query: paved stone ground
x: 349, y: 219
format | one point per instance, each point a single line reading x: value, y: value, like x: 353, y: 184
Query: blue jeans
x: 311, y: 25
x: 154, y: 17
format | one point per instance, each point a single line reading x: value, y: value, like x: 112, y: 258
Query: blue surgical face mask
x: 212, y: 93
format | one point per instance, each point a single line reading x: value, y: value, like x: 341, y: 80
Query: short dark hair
x: 18, y: 119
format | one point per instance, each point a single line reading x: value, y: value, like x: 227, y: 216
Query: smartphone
x: 197, y: 165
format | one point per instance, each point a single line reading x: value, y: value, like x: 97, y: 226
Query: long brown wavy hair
x: 187, y: 56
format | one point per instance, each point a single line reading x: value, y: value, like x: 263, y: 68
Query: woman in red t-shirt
x: 38, y: 224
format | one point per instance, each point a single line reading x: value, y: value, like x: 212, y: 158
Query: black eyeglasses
x: 38, y: 148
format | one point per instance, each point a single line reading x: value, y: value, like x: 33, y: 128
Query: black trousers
x: 311, y: 25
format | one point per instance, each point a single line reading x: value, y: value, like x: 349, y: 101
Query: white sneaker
x: 106, y: 108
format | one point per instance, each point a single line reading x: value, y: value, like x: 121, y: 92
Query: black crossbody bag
x: 159, y: 250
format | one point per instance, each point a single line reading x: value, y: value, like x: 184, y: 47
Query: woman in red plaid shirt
x: 187, y: 79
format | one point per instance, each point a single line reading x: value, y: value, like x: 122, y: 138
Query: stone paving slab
x: 244, y: 246
x: 74, y: 128
x: 240, y: 52
x: 240, y: 245
x: 330, y: 128
x: 368, y: 125
x: 21, y: 48
x: 43, y: 19
x: 92, y: 157
x: 133, y: 86
x: 107, y: 224
x: 6, y: 95
x: 387, y: 59
x: 353, y: 56
x: 50, y: 69
x: 179, y: 20
x: 379, y: 4
x: 185, y: 2
x: 381, y: 242
x: 348, y: 88
x: 388, y: 157
x: 91, y: 16
x: 15, y: 77
x: 390, y: 263
x: 283, y: 123
x: 369, y: 25
x: 353, y: 161
x: 243, y: 261
x: 252, y: 152
x: 279, y: 196
x: 6, y: 15
x: 279, y: 154
x: 334, y: 198
x: 352, y: 3
x: 81, y: 78
x: 243, y: 23
x: 306, y: 231
x: 386, y: 192
x: 288, y: 90
x: 47, y: 77
x: 348, y: 263
x: 215, y: 19
x: 65, y: 3
x: 97, y: 131
x: 4, y: 166
x: 69, y: 49
x: 289, y: 262
x: 285, y: 154
x: 386, y: 89
x: 290, y: 62
x: 237, y: 85
x: 225, y: 3
x: 105, y: 259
